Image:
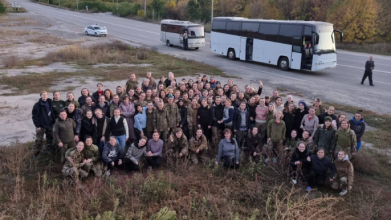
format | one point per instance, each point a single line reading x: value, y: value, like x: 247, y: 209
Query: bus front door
x: 243, y: 46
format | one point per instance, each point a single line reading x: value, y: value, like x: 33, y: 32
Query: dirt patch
x: 54, y: 67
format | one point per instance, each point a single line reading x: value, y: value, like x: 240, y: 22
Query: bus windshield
x: 326, y: 40
x: 196, y: 31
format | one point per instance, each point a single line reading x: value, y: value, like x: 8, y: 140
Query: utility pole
x: 77, y: 3
x: 58, y: 3
x: 117, y: 5
x: 145, y: 8
x: 211, y: 12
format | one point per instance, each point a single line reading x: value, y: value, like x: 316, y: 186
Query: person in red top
x: 99, y: 92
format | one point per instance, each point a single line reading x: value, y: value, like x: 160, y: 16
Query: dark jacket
x: 105, y: 109
x: 205, y: 116
x: 183, y: 114
x: 111, y: 153
x: 321, y: 166
x: 57, y: 106
x: 369, y: 65
x: 251, y: 109
x: 289, y: 120
x: 95, y: 96
x: 254, y: 143
x: 77, y: 115
x: 101, y: 127
x: 41, y: 117
x: 325, y: 138
x: 218, y: 114
x: 238, y: 120
x: 299, y: 156
x: 298, y: 117
x: 63, y: 131
x: 88, y: 129
x: 82, y: 99
x: 324, y: 115
x: 358, y: 127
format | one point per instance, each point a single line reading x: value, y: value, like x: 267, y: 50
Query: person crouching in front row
x: 135, y: 155
x: 112, y: 154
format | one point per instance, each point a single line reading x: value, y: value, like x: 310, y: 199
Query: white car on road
x: 95, y: 30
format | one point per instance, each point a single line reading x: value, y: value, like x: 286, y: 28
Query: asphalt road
x: 340, y: 85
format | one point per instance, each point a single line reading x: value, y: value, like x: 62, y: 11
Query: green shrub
x: 3, y: 9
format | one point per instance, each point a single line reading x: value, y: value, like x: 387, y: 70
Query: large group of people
x: 200, y: 120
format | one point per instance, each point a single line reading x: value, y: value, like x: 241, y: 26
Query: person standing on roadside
x: 369, y: 66
x: 43, y: 119
x: 185, y: 36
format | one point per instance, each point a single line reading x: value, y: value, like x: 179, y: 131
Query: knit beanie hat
x: 328, y: 118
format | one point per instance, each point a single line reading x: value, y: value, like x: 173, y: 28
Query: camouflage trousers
x: 261, y: 130
x: 65, y: 147
x: 39, y: 139
x: 202, y: 156
x: 217, y: 135
x: 96, y: 168
x: 74, y: 173
x: 340, y: 183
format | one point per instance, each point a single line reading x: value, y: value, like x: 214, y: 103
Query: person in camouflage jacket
x: 174, y: 114
x: 72, y: 168
x: 160, y: 121
x: 198, y: 147
x: 177, y: 144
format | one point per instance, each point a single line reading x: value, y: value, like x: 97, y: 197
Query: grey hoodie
x: 135, y: 154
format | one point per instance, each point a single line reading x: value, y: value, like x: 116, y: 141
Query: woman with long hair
x: 228, y: 152
x: 299, y: 114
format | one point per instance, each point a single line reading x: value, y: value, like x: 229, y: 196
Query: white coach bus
x: 171, y: 33
x: 308, y: 45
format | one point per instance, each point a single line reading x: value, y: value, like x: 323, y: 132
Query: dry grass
x: 49, y: 39
x: 10, y: 33
x: 10, y: 62
x: 115, y: 52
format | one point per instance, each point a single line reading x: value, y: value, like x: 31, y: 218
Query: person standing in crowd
x: 330, y: 112
x: 276, y: 130
x: 324, y: 137
x: 341, y: 117
x: 357, y: 124
x: 292, y: 141
x: 171, y: 78
x: 43, y: 119
x: 71, y: 98
x: 241, y: 125
x: 98, y: 92
x: 154, y: 151
x: 152, y: 81
x: 369, y: 66
x: 108, y: 95
x: 131, y: 83
x: 275, y: 96
x: 119, y: 91
x: 173, y: 112
x: 128, y: 111
x: 289, y: 119
x: 113, y: 105
x: 141, y: 101
x: 103, y: 106
x: 118, y: 128
x: 228, y: 151
x: 178, y: 145
x: 88, y: 127
x: 64, y: 134
x: 279, y: 104
x: 198, y: 146
x: 317, y: 175
x: 185, y: 117
x: 76, y: 114
x: 253, y: 147
x: 345, y: 139
x: 89, y: 105
x: 205, y: 119
x: 217, y: 125
x: 267, y: 100
x: 145, y: 86
x: 299, y: 163
x: 149, y: 117
x: 72, y: 169
x: 112, y: 154
x: 251, y: 106
x: 194, y: 110
x: 84, y: 94
x: 310, y: 122
x: 57, y: 104
x: 319, y: 109
x: 344, y: 177
x: 133, y: 157
x: 160, y: 121
x: 260, y: 119
x: 308, y: 142
x: 228, y: 114
x: 289, y: 101
x: 140, y: 122
x: 101, y: 122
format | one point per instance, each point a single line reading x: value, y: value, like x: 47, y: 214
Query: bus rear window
x: 196, y: 31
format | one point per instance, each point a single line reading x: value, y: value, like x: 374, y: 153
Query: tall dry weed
x: 10, y: 61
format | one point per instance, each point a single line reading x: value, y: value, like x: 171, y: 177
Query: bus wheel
x: 168, y: 43
x: 283, y: 63
x: 231, y: 54
x: 197, y: 48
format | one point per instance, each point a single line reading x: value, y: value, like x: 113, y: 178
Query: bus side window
x: 269, y: 32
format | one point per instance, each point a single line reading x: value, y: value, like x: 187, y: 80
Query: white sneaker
x: 343, y: 192
x: 294, y: 181
x: 274, y: 160
x: 107, y: 173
